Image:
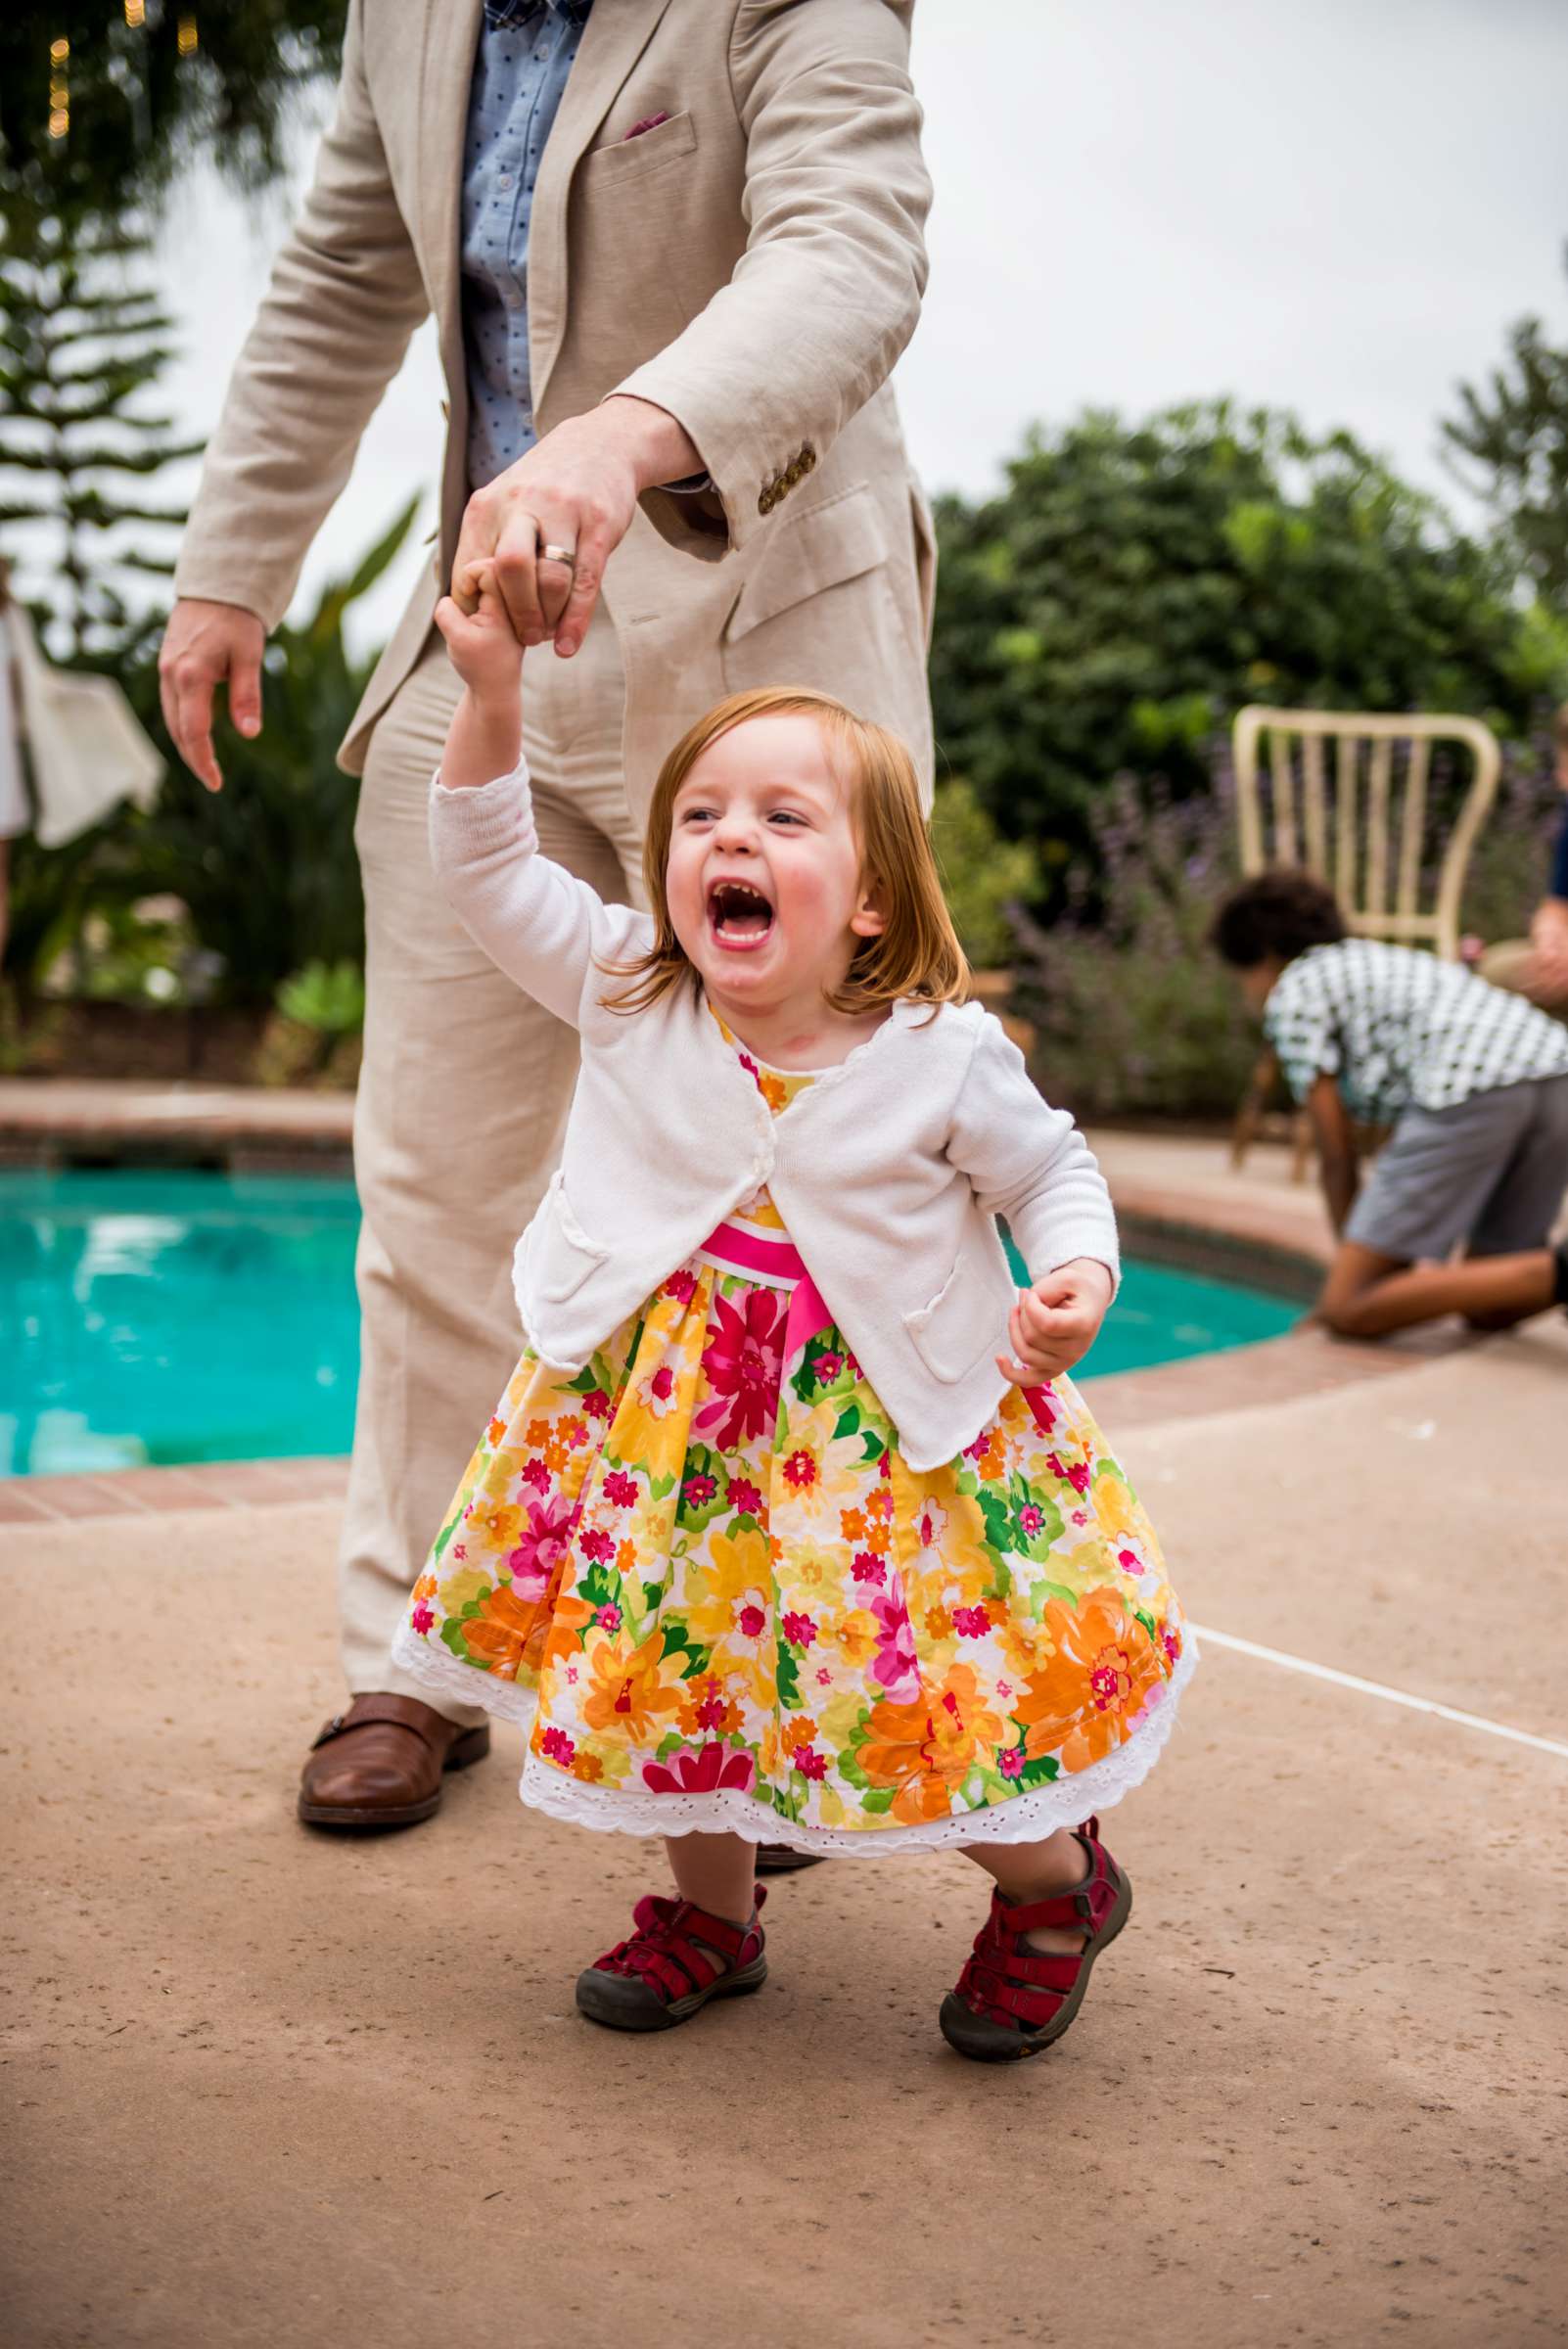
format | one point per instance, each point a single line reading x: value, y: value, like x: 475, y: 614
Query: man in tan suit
x: 673, y: 248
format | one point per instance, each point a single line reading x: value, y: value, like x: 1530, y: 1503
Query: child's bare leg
x: 716, y: 1872
x: 1038, y: 1871
x: 1368, y: 1295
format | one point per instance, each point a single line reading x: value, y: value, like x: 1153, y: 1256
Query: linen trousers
x: 462, y: 1105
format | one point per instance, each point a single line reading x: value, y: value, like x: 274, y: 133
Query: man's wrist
x: 658, y: 449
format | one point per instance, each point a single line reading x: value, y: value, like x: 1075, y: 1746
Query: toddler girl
x: 788, y: 1526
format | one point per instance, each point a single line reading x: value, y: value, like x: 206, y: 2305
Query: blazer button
x: 807, y: 456
x: 764, y: 504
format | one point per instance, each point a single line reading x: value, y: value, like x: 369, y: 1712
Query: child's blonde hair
x: 917, y: 951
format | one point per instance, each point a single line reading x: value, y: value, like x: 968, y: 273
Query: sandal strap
x: 1005, y: 1980
x: 678, y: 1947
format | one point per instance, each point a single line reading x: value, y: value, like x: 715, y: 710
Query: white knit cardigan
x: 890, y: 1171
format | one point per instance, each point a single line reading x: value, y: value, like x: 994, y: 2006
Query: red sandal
x: 1012, y: 2001
x: 677, y: 1960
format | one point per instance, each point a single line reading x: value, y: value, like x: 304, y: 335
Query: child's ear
x: 868, y: 919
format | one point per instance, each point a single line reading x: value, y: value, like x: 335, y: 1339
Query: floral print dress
x: 701, y: 1578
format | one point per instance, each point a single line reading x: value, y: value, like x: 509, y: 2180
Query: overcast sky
x: 1336, y: 205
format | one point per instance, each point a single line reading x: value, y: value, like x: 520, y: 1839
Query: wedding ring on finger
x: 559, y: 554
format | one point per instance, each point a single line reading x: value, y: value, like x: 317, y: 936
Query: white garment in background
x: 87, y: 750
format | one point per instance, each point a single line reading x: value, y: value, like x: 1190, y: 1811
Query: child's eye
x: 785, y: 815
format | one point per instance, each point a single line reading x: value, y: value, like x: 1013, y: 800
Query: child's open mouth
x: 741, y: 916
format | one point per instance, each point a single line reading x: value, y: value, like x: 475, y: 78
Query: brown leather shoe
x: 379, y: 1764
x: 783, y: 1859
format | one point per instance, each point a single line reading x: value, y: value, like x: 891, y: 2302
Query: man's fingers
x: 593, y: 552
x: 555, y: 590
x: 517, y: 577
x: 245, y: 693
x: 192, y: 726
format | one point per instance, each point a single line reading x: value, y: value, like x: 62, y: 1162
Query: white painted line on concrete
x: 1390, y: 1696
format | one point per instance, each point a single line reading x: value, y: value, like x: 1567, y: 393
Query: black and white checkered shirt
x: 1396, y: 1027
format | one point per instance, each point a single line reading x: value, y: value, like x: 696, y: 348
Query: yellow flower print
x: 632, y: 1690
x: 466, y: 1583
x: 734, y: 1574
x: 495, y: 1524
x: 821, y: 1473
x: 855, y: 1638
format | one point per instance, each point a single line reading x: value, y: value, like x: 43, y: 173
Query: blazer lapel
x: 450, y: 40
x: 612, y: 39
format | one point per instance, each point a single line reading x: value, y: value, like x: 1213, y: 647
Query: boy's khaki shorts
x: 1491, y: 1171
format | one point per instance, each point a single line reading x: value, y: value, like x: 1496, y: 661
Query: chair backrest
x: 1364, y: 833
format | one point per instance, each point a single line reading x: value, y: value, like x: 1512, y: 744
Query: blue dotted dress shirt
x: 524, y: 55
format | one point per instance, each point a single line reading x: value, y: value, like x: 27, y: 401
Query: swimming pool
x: 180, y: 1315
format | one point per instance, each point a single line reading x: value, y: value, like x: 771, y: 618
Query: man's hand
x: 577, y: 489
x: 207, y: 645
x: 1053, y: 1325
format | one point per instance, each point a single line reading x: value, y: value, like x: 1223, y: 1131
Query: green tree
x: 1133, y: 585
x: 82, y: 346
x: 1513, y: 432
x: 102, y: 104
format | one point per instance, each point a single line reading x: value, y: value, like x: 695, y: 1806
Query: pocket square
x: 649, y: 123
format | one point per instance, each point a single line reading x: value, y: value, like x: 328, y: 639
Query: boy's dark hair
x: 1282, y: 912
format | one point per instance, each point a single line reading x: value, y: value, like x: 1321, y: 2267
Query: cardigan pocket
x: 957, y: 1329
x: 563, y: 1255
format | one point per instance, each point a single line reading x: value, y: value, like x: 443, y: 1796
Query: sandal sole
x: 367, y: 1817
x: 598, y: 2001
x: 983, y: 2042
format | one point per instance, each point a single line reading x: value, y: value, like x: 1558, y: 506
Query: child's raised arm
x: 538, y: 923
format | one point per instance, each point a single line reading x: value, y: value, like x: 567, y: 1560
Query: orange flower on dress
x: 631, y: 1687
x: 504, y: 1630
x: 926, y: 1749
x: 536, y: 1432
x: 587, y: 1767
x: 426, y: 1586
x: 852, y: 1524
x: 1102, y: 1669
x: 705, y: 1709
x: 570, y: 1616
x: 496, y: 1430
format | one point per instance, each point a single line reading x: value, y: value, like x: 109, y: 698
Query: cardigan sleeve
x: 1028, y: 1162
x: 548, y: 931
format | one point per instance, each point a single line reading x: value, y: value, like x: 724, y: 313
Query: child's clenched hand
x: 1053, y: 1325
x: 473, y: 621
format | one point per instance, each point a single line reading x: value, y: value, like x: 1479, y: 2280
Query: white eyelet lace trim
x: 622, y: 1810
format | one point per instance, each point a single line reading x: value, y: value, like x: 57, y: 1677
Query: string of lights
x: 187, y: 40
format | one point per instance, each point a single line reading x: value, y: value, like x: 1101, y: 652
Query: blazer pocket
x: 567, y: 1256
x: 957, y: 1329
x: 620, y: 159
x: 819, y: 548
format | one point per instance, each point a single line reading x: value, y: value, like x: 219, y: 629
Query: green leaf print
x: 848, y: 1761
x: 847, y: 1422
x: 1039, y: 1772
x: 879, y: 1800
x: 999, y: 1527
x: 601, y: 1586
x: 445, y: 1535
x: 788, y: 1679
x: 702, y: 1464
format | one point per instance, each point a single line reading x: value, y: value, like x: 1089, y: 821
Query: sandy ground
x: 265, y: 2087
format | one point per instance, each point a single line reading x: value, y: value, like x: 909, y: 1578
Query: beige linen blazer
x: 754, y: 265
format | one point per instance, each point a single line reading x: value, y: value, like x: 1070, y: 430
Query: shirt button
x: 505, y: 179
x: 514, y: 299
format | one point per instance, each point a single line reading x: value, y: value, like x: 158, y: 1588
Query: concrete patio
x: 267, y: 2087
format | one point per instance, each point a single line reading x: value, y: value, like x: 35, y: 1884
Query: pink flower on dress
x: 543, y: 1546
x: 744, y: 1497
x: 1011, y: 1762
x: 753, y: 1621
x: 867, y: 1567
x: 681, y: 1285
x: 597, y: 1545
x: 621, y: 1488
x: 556, y: 1746
x: 610, y: 1617
x: 698, y: 1490
x: 422, y: 1619
x: 809, y: 1762
x: 972, y: 1623
x: 711, y: 1767
x: 800, y: 1470
x: 536, y: 1474
x: 798, y: 1630
x: 1170, y: 1642
x: 596, y: 1402
x: 1031, y: 1519
x: 742, y: 1363
x: 828, y: 1367
x: 1043, y: 1404
x: 894, y: 1664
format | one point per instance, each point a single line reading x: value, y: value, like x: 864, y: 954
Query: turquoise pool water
x: 184, y: 1316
